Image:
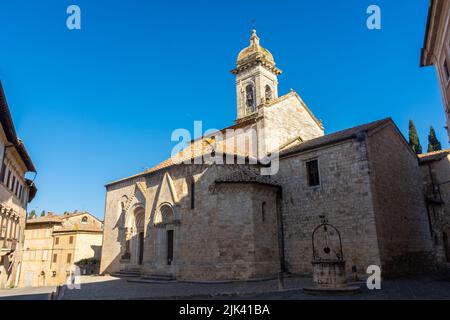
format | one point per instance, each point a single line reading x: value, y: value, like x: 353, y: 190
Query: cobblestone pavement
x: 27, y: 293
x: 111, y: 288
x: 107, y: 287
x: 411, y: 289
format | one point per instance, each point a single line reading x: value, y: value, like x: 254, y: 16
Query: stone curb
x: 139, y: 280
x: 213, y: 295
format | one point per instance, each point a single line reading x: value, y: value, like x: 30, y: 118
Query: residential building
x: 435, y: 167
x: 55, y: 245
x: 436, y: 49
x: 16, y: 191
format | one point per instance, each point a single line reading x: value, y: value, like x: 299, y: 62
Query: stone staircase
x: 127, y: 274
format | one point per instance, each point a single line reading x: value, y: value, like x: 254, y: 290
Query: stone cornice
x: 259, y: 61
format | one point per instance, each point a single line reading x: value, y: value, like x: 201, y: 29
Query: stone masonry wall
x: 401, y: 216
x: 265, y: 232
x: 436, y: 177
x: 343, y: 197
x: 284, y: 121
x: 112, y: 229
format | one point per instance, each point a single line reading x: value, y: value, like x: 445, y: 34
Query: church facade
x: 197, y: 220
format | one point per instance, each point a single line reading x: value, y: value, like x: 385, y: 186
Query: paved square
x: 111, y: 288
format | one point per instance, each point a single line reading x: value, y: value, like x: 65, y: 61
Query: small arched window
x: 123, y: 202
x: 250, y: 98
x: 268, y: 93
x: 191, y: 191
x: 263, y: 211
x: 192, y: 194
x: 84, y: 219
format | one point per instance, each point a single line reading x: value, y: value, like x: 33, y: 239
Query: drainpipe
x: 431, y: 206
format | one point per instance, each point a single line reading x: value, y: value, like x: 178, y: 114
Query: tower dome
x: 255, y: 54
x: 255, y: 50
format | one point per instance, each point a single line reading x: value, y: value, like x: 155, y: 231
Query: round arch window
x: 250, y: 98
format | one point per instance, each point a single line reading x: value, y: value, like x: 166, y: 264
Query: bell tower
x: 256, y: 78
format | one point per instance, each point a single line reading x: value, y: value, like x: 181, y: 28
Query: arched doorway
x: 139, y: 243
x: 166, y: 238
x: 134, y: 245
x: 167, y: 218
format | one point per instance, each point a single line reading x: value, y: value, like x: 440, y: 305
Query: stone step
x: 158, y: 277
x: 127, y: 274
x: 142, y: 280
x: 132, y: 270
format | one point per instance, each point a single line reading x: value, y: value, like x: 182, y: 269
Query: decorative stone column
x: 1, y: 221
x: 12, y: 216
x: 14, y: 233
x: 17, y: 230
x: 12, y: 226
x: 126, y: 254
x: 6, y: 227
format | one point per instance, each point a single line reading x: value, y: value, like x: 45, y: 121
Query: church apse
x: 225, y: 235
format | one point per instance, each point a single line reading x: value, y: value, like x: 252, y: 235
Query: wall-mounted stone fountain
x: 328, y: 262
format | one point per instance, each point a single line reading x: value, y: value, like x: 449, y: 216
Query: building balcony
x: 8, y: 246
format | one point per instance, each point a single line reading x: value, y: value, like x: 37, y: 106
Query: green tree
x: 414, y: 141
x: 32, y: 214
x: 43, y: 213
x: 433, y: 142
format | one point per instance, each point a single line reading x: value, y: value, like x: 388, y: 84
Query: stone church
x: 211, y: 221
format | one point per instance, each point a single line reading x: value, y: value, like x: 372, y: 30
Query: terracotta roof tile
x: 79, y: 227
x: 245, y: 175
x: 46, y: 219
x: 198, y: 148
x: 334, y: 137
x: 433, y: 156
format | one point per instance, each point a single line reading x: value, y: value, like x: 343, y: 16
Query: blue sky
x: 99, y: 104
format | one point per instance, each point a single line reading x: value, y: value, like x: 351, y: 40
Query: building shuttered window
x: 312, y: 173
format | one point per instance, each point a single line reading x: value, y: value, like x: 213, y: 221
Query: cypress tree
x: 433, y: 142
x: 414, y: 141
